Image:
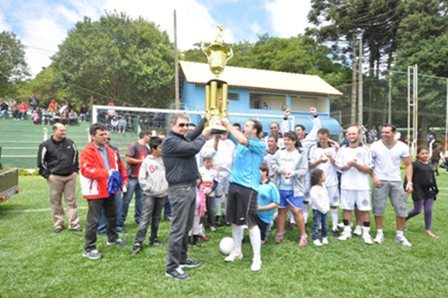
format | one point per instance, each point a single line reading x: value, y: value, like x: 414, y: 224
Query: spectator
x: 122, y: 124
x: 114, y: 124
x: 53, y: 107
x: 46, y: 117
x: 35, y: 116
x: 34, y: 102
x: 72, y: 118
x: 22, y: 109
x: 83, y: 113
x: 3, y: 110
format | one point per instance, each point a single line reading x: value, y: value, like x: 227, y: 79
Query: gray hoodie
x: 152, y: 177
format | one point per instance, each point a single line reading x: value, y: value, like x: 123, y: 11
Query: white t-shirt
x: 287, y: 160
x: 208, y: 176
x: 387, y: 161
x: 319, y: 199
x: 222, y: 158
x: 316, y: 153
x: 352, y: 179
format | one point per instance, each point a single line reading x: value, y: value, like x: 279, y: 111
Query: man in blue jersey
x: 243, y: 190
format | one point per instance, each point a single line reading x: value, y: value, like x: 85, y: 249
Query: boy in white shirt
x: 355, y: 162
x: 210, y: 182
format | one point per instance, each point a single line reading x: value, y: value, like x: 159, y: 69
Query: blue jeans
x: 133, y: 187
x: 103, y: 223
x: 322, y: 219
x: 167, y: 210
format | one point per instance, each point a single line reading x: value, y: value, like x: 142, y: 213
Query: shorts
x: 242, y: 205
x: 393, y: 189
x: 222, y: 187
x: 333, y: 195
x: 359, y: 198
x: 287, y: 199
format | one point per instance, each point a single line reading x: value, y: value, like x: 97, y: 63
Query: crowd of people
x: 261, y: 180
x: 44, y: 114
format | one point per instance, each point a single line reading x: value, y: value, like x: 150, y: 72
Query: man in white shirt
x: 387, y: 154
x: 355, y: 162
x: 322, y: 156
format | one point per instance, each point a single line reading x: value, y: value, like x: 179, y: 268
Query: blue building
x: 261, y: 94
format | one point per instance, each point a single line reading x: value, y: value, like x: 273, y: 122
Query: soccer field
x: 34, y: 261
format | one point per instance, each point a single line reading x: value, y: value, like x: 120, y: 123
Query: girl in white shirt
x: 321, y: 205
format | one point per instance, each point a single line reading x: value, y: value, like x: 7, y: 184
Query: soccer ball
x: 226, y: 245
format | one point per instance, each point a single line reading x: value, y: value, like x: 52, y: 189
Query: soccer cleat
x: 155, y: 242
x: 336, y: 233
x: 189, y: 263
x: 345, y: 236
x: 256, y: 265
x: 379, y: 238
x: 233, y: 257
x: 77, y: 229
x: 317, y: 242
x: 58, y: 229
x: 92, y: 254
x: 367, y: 239
x: 178, y: 274
x: 136, y: 249
x: 325, y: 241
x: 303, y: 241
x: 403, y: 241
x: 358, y: 231
x: 117, y: 242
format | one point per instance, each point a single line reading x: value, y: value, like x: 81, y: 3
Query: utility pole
x: 389, y: 99
x: 176, y: 66
x: 360, y: 98
x: 353, y: 108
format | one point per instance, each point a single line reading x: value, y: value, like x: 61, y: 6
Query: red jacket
x: 94, y: 175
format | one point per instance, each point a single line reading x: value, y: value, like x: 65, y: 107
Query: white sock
x: 237, y: 235
x: 400, y: 234
x: 348, y: 229
x: 255, y: 240
x: 334, y: 217
x: 379, y: 232
x: 365, y: 230
x: 218, y: 204
x: 305, y: 212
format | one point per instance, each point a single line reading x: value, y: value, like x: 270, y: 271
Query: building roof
x: 249, y: 78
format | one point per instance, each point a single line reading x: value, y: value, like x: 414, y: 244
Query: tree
x: 13, y: 67
x: 117, y: 59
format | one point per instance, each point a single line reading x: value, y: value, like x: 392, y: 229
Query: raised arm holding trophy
x: 216, y: 98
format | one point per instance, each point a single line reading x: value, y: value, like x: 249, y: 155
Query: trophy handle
x: 230, y: 55
x: 204, y: 49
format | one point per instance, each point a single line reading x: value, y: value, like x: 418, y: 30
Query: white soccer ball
x: 226, y: 245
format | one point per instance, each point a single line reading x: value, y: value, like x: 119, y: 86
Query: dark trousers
x: 264, y: 229
x: 151, y: 215
x: 210, y: 205
x: 182, y: 199
x: 93, y: 219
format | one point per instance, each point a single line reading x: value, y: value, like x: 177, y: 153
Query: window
x: 265, y: 101
x: 302, y: 103
x: 233, y: 96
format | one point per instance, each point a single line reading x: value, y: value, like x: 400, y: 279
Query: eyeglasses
x: 183, y: 124
x: 108, y: 139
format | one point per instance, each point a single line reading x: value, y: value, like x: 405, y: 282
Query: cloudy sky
x: 43, y: 24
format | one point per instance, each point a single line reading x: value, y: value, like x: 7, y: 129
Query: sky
x: 42, y: 25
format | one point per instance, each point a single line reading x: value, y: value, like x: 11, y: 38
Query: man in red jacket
x: 98, y: 162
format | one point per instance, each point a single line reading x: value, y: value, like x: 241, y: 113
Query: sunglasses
x: 108, y: 139
x: 183, y: 124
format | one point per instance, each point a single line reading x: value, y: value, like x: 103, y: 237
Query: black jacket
x: 179, y: 157
x: 58, y: 158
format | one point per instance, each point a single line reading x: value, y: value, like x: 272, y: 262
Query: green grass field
x: 34, y: 261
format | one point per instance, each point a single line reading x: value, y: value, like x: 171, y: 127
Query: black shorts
x: 242, y: 205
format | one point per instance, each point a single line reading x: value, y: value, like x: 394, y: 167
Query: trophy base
x: 218, y: 129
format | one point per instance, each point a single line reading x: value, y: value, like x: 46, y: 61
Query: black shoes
x: 117, y: 242
x: 178, y: 274
x: 136, y: 249
x: 58, y: 229
x: 78, y: 229
x: 189, y: 263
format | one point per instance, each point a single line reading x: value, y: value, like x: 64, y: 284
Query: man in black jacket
x: 58, y: 163
x: 178, y: 153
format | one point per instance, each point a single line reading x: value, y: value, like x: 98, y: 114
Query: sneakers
x: 279, y: 238
x: 92, y: 255
x: 303, y: 241
x: 336, y: 233
x: 233, y: 257
x: 345, y: 236
x: 212, y: 228
x: 317, y: 242
x: 155, y: 242
x: 379, y: 238
x: 117, y: 242
x: 367, y: 239
x: 136, y: 249
x: 78, y: 229
x: 178, y: 274
x: 325, y: 241
x: 256, y: 265
x: 358, y: 231
x: 403, y: 241
x: 58, y: 229
x: 189, y: 263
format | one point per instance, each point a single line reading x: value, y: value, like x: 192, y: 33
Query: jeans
x: 133, y: 187
x: 167, y: 210
x: 93, y: 219
x: 151, y: 215
x: 103, y: 223
x: 322, y: 219
x: 183, y: 200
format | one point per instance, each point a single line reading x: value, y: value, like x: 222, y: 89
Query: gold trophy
x: 216, y: 98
